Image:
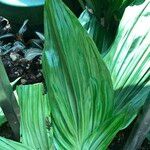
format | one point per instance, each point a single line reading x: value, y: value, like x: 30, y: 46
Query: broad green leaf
x: 78, y: 82
x: 103, y: 135
x: 35, y: 114
x: 6, y: 144
x: 129, y: 59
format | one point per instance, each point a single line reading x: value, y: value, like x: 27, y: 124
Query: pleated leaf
x: 35, y: 114
x: 6, y: 144
x: 129, y: 60
x: 78, y: 83
x: 104, y: 134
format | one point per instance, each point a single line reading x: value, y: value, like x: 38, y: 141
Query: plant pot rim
x: 23, y: 3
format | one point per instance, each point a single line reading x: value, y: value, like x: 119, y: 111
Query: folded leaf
x: 35, y: 114
x: 128, y: 60
x: 78, y: 82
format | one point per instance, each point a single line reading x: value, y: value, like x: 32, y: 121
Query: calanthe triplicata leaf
x: 35, y: 114
x: 129, y: 60
x: 78, y: 82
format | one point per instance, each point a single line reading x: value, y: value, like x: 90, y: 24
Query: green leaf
x: 103, y: 135
x: 6, y: 144
x: 35, y: 114
x: 128, y: 60
x: 78, y: 82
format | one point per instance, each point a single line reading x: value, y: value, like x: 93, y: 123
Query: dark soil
x: 21, y: 54
x: 29, y: 71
